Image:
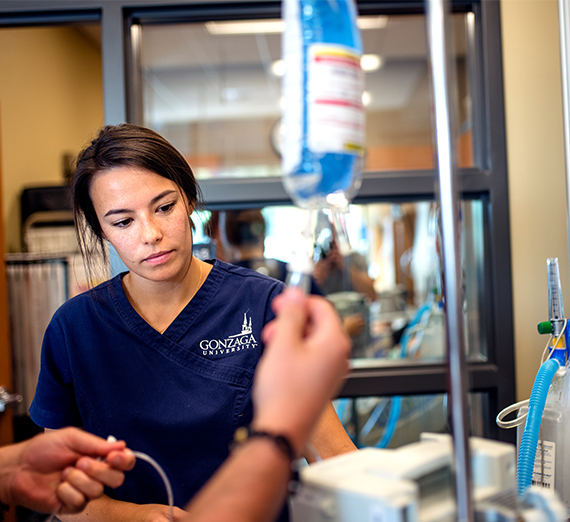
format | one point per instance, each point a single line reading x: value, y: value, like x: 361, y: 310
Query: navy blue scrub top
x: 177, y: 396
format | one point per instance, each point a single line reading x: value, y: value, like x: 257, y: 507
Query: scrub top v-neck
x: 177, y: 396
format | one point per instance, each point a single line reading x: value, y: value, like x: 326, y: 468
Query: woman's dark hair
x: 124, y: 145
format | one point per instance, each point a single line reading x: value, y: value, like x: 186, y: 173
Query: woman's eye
x: 123, y: 223
x: 166, y: 208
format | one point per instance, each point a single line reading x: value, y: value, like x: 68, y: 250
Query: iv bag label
x: 335, y: 115
x: 543, y: 473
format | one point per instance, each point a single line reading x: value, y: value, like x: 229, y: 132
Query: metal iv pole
x: 564, y: 26
x: 443, y: 84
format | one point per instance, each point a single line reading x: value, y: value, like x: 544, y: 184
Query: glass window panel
x: 388, y: 290
x: 216, y: 94
x: 391, y: 422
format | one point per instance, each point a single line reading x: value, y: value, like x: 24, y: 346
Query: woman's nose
x: 151, y: 232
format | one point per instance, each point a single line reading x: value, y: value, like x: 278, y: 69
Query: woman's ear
x: 189, y: 210
x: 190, y: 205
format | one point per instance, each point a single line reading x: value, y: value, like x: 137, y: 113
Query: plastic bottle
x: 323, y: 114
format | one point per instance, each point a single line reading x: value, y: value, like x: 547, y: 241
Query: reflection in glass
x: 391, y: 422
x: 388, y: 291
x: 214, y: 90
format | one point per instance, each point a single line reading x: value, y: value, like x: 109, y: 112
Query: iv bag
x: 323, y: 114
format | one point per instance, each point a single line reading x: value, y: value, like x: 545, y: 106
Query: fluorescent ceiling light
x: 366, y: 98
x: 277, y: 25
x: 278, y: 68
x: 370, y: 62
x: 372, y: 22
x: 246, y: 27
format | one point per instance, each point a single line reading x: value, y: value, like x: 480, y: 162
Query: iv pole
x: 564, y: 27
x: 442, y: 78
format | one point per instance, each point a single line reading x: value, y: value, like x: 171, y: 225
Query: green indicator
x: 544, y: 327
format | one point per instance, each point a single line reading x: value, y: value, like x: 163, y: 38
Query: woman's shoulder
x: 84, y: 302
x: 244, y: 275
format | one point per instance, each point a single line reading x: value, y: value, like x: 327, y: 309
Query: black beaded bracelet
x: 281, y: 441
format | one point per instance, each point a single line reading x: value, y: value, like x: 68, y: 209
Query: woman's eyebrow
x: 152, y: 202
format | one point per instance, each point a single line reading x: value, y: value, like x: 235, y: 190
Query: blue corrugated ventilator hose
x: 529, y: 441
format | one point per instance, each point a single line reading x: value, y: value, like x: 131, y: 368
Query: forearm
x: 106, y: 509
x: 103, y: 508
x: 362, y: 283
x: 9, y: 456
x: 329, y: 438
x: 250, y: 486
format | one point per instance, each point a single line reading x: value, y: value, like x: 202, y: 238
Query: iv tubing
x: 299, y: 270
x: 163, y: 476
x: 529, y: 440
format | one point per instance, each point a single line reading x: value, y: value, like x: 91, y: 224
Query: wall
x: 537, y: 185
x: 51, y: 101
x: 39, y: 125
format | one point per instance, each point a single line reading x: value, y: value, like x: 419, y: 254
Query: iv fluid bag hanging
x: 323, y: 116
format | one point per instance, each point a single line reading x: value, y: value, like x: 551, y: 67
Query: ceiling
x: 192, y: 75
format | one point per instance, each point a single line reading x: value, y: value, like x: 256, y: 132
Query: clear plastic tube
x: 301, y: 266
x: 163, y: 476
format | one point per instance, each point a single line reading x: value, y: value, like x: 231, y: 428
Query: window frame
x: 486, y: 181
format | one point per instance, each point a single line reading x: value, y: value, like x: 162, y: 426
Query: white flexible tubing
x: 514, y: 407
x: 156, y: 465
x: 509, y: 409
x: 142, y: 456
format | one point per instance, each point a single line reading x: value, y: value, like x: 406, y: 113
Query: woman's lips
x: 158, y: 258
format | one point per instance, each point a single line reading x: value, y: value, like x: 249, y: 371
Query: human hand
x: 321, y: 271
x: 61, y: 470
x: 354, y: 324
x: 158, y: 513
x: 334, y: 256
x: 305, y: 358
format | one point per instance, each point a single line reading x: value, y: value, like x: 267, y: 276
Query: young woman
x: 161, y: 356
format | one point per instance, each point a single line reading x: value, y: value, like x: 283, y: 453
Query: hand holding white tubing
x: 155, y: 465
